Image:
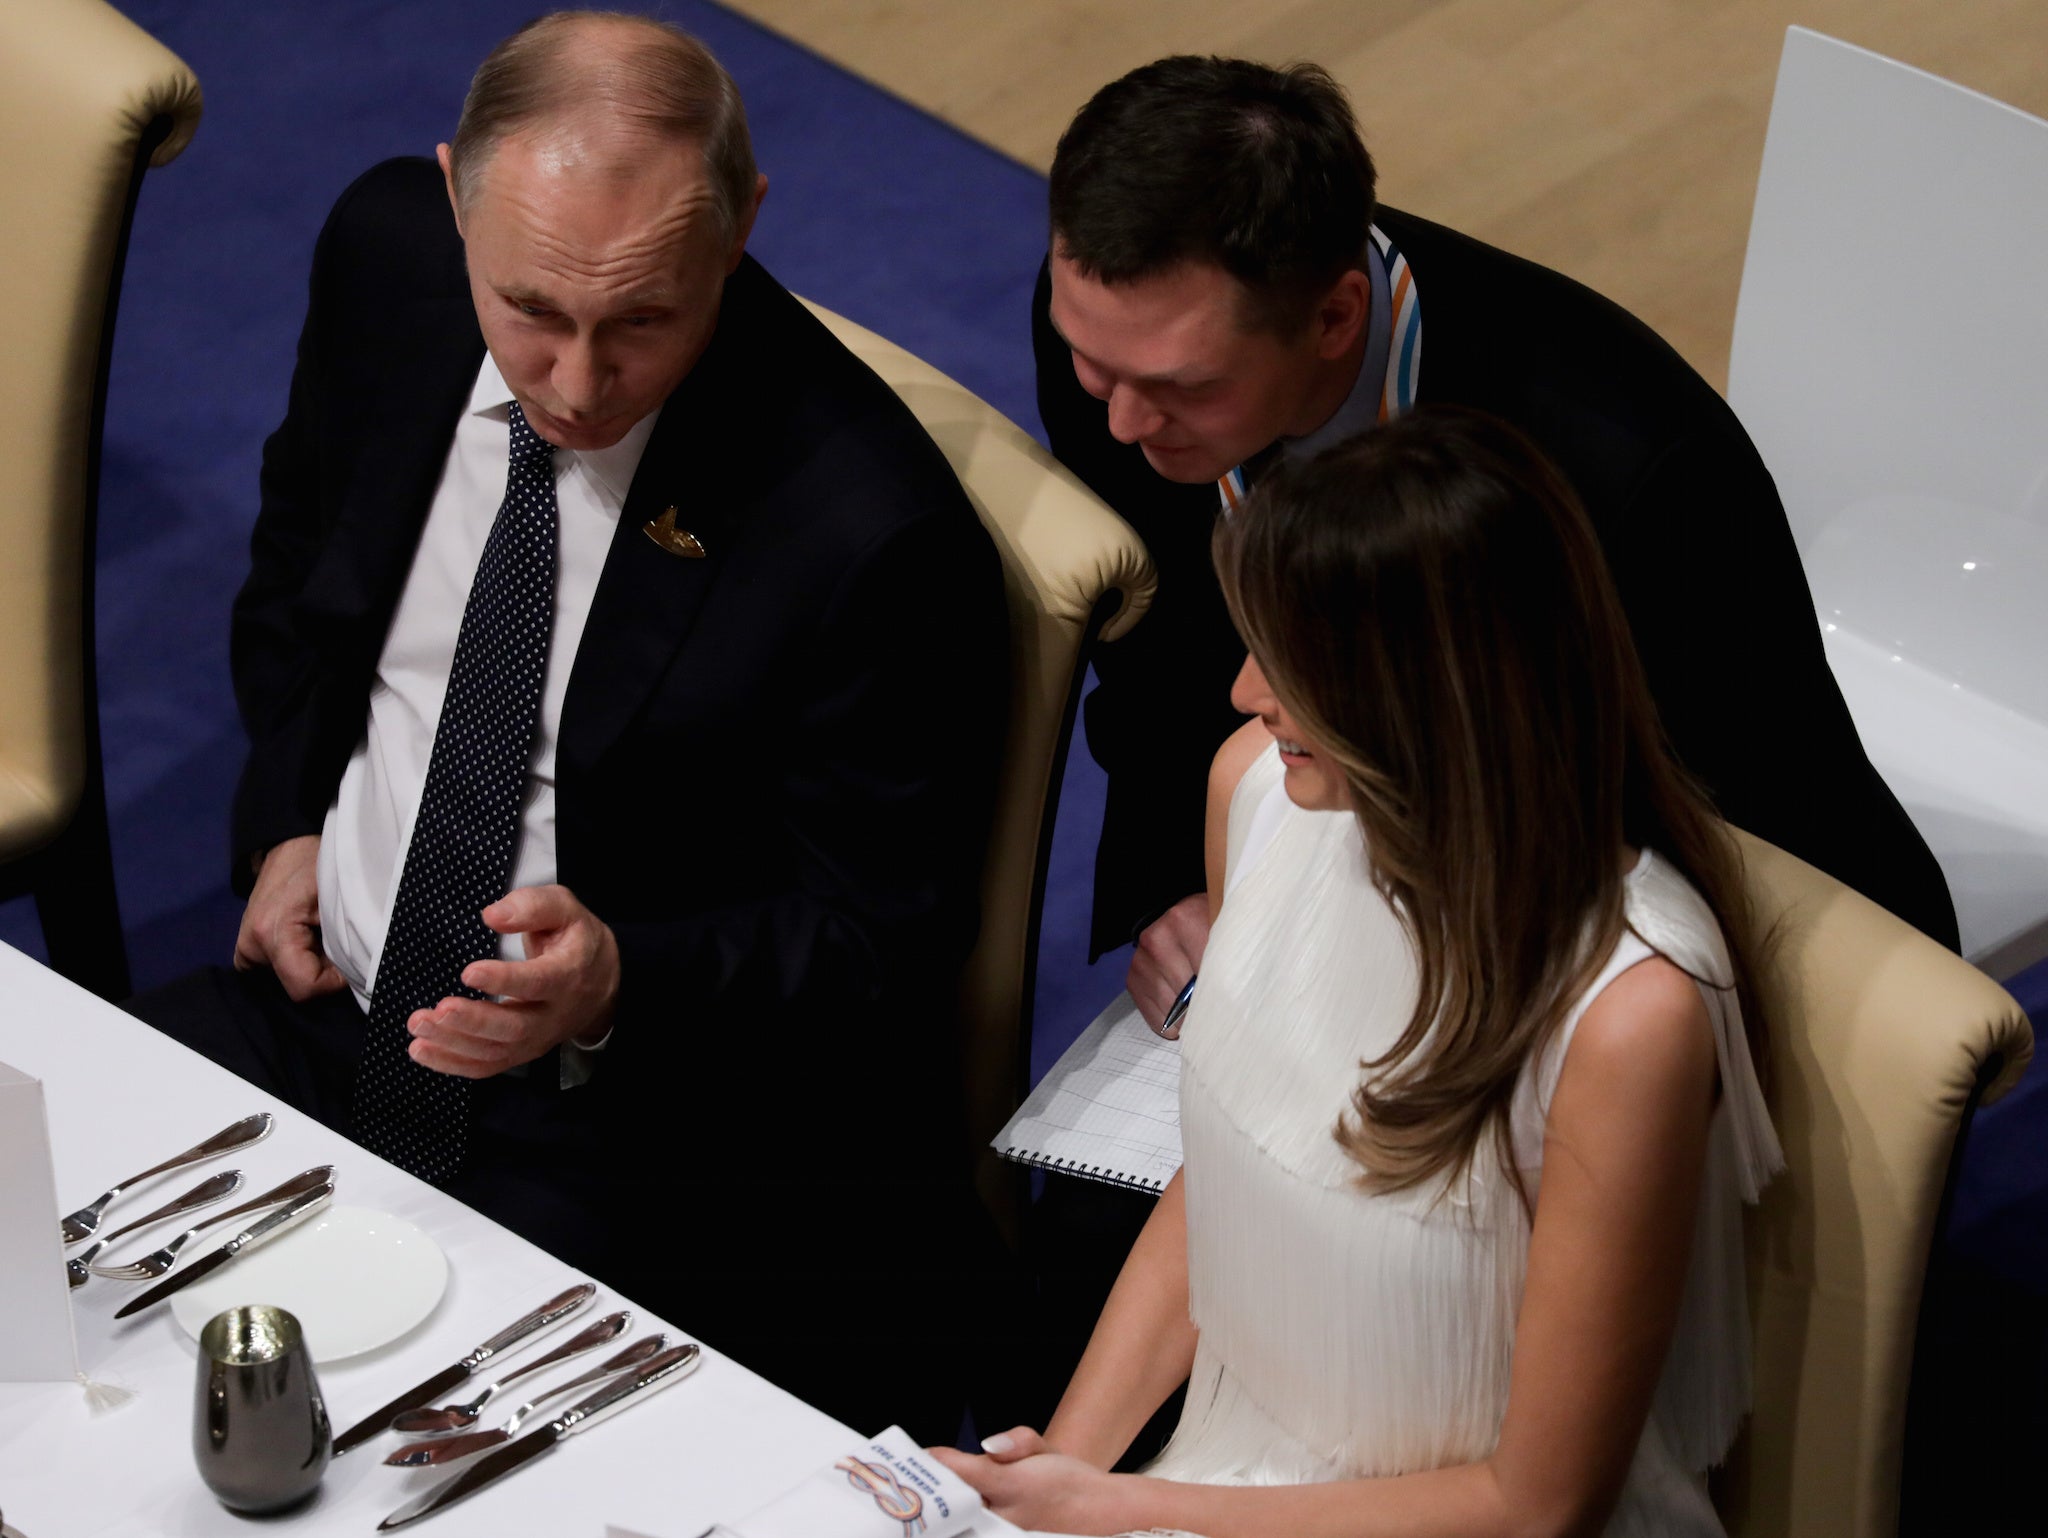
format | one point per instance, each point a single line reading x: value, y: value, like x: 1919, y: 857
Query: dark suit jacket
x: 774, y: 765
x: 1692, y: 528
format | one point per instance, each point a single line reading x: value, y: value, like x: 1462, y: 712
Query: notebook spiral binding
x: 1101, y: 1172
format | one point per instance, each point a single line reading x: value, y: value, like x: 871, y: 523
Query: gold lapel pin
x: 675, y: 541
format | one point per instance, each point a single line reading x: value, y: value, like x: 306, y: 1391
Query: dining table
x: 112, y: 1455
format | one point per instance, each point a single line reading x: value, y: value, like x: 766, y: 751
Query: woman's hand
x: 1025, y: 1482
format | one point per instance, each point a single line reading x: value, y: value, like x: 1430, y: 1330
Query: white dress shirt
x: 369, y: 827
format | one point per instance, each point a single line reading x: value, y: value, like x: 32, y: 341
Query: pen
x: 1171, y: 1023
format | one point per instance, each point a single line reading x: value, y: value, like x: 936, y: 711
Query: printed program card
x: 888, y: 1489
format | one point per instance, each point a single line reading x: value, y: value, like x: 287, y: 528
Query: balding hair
x: 607, y: 67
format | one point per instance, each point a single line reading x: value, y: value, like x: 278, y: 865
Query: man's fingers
x: 528, y: 908
x: 476, y: 1037
x: 444, y: 1059
x: 503, y: 979
x: 327, y: 980
x: 1180, y: 934
x: 1167, y: 954
x: 466, y: 1024
x: 1151, y: 987
x: 1153, y: 1003
x: 252, y: 941
x: 533, y: 981
x: 302, y: 969
x: 1165, y: 951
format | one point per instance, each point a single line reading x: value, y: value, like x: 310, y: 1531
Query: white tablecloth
x: 120, y: 1097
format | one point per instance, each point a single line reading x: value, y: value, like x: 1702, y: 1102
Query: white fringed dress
x: 1347, y: 1335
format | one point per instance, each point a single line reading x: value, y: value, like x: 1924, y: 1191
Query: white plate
x: 355, y: 1279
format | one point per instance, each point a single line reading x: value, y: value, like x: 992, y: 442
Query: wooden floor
x: 1616, y: 140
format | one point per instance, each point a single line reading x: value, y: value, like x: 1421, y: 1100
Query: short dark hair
x: 1258, y: 170
x: 641, y: 69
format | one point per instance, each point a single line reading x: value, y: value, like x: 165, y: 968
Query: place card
x: 36, y: 1341
x: 889, y: 1488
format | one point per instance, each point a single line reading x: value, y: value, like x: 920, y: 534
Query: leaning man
x: 623, y: 668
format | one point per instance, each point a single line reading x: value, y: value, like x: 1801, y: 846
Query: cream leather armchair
x: 1073, y: 573
x: 88, y: 101
x: 1883, y: 1043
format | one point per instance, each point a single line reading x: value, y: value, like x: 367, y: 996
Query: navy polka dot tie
x: 460, y: 858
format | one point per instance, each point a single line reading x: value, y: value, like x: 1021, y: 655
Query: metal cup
x: 260, y: 1434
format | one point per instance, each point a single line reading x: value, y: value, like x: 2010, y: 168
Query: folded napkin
x: 886, y: 1489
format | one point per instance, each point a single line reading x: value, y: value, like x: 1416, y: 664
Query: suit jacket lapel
x: 648, y: 598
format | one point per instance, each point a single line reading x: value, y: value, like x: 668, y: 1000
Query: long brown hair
x: 1429, y: 600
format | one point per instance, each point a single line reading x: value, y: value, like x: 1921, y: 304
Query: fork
x: 205, y: 1194
x: 75, y: 1268
x: 157, y: 1262
x: 81, y: 1224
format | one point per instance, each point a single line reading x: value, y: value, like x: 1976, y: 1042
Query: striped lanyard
x: 1403, y: 311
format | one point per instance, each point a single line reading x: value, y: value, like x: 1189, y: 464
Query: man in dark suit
x: 555, y: 444
x: 1222, y: 290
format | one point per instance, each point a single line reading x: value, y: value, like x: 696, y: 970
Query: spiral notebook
x: 1110, y: 1108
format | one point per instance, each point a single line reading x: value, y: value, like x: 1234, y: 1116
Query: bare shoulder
x: 1225, y: 771
x: 1235, y: 757
x: 1646, y: 1034
x: 1636, y: 1092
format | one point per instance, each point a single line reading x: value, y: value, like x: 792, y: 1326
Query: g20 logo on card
x: 889, y: 1492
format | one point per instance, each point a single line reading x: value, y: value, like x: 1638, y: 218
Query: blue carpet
x: 874, y: 209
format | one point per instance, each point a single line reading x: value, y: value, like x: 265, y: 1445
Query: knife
x: 671, y: 1366
x: 262, y: 1231
x: 437, y: 1451
x: 548, y: 1315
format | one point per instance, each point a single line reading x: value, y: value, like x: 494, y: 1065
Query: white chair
x: 1891, y: 362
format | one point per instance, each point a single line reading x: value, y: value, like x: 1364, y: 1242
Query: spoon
x: 447, y: 1450
x: 426, y: 1422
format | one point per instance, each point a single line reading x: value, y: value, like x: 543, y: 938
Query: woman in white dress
x: 1468, y: 1091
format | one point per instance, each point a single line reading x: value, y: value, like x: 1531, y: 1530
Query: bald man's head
x: 603, y: 91
x: 604, y: 189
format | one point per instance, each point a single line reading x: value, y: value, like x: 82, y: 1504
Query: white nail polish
x: 999, y: 1443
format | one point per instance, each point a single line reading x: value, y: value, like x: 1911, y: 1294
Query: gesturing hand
x: 567, y: 987
x: 281, y: 925
x: 1169, y: 953
x: 1024, y: 1481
